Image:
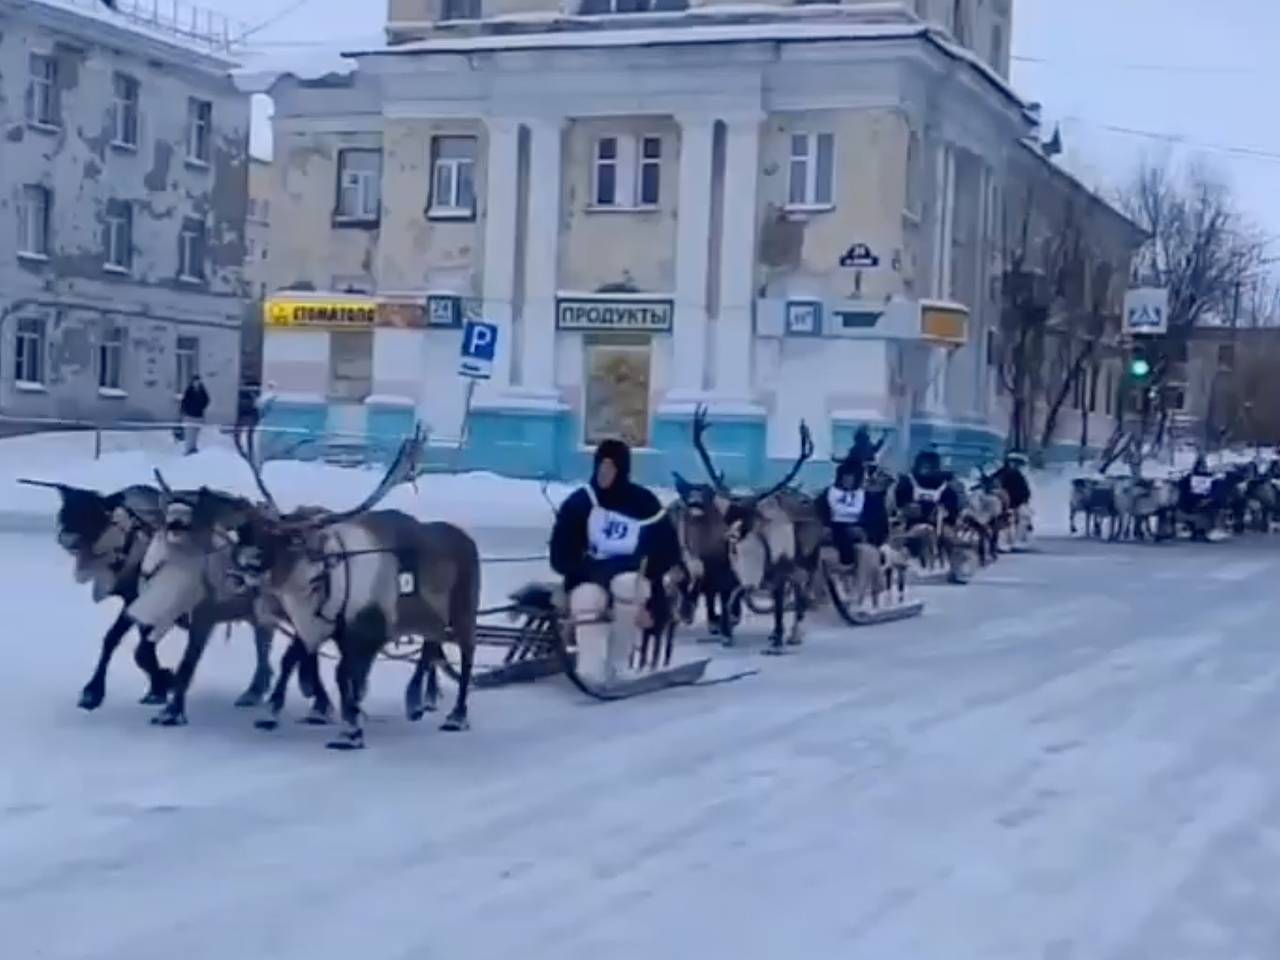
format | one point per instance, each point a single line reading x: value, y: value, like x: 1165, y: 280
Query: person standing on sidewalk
x: 195, y: 400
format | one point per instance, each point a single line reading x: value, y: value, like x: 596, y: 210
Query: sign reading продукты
x: 640, y: 316
x: 479, y: 344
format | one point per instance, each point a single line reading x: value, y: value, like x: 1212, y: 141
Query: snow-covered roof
x: 690, y: 31
x: 1033, y: 148
x: 163, y: 24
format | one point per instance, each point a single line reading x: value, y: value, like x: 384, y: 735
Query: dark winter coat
x: 659, y: 546
x: 1015, y: 485
x: 195, y: 401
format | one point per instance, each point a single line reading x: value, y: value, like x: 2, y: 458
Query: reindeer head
x: 103, y: 533
x: 698, y: 499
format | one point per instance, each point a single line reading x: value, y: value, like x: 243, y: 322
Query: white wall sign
x: 1146, y: 311
x: 630, y: 315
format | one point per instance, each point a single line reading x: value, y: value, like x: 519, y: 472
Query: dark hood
x: 618, y: 496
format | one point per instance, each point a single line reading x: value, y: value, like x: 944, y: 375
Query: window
x: 191, y: 245
x: 650, y: 170
x: 922, y: 9
x: 997, y: 45
x: 595, y: 7
x: 1226, y: 355
x: 1094, y: 374
x: 617, y: 391
x: 253, y: 209
x: 111, y: 360
x: 606, y: 172
x: 359, y: 185
x: 266, y: 209
x: 627, y: 172
x: 453, y: 180
x: 186, y: 356
x: 812, y: 170
x: 250, y: 248
x: 124, y: 117
x: 118, y: 240
x: 1109, y: 400
x: 33, y: 221
x: 43, y: 108
x: 28, y: 352
x: 199, y: 130
x: 351, y: 365
x: 461, y: 10
x: 1175, y: 398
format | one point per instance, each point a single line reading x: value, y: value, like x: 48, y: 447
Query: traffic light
x: 1139, y: 365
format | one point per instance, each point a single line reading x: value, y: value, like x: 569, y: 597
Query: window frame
x: 111, y: 218
x: 811, y: 161
x: 186, y: 360
x: 199, y: 121
x: 120, y: 107
x: 52, y: 100
x: 110, y: 360
x: 192, y: 248
x: 362, y: 217
x: 25, y: 250
x: 628, y: 164
x: 452, y: 11
x: 454, y: 209
x: 22, y: 362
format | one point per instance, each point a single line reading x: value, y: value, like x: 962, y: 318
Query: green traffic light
x: 1139, y: 367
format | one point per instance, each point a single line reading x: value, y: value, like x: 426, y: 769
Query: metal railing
x: 179, y: 19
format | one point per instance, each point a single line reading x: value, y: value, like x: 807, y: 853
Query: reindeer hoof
x: 170, y: 717
x: 269, y: 722
x: 347, y: 740
x: 153, y: 698
x: 455, y: 724
x: 91, y: 698
x: 318, y: 717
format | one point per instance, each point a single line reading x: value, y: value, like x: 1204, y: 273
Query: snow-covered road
x: 1073, y: 758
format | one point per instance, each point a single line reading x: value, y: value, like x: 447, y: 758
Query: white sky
x: 1190, y: 71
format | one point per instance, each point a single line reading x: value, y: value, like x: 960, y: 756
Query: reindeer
x: 108, y: 536
x: 762, y: 541
x: 698, y: 515
x: 363, y: 577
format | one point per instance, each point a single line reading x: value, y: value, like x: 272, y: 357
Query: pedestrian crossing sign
x: 1146, y: 311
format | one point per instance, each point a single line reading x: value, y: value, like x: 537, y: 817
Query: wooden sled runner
x: 856, y: 616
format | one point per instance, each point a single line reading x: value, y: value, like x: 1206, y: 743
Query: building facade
x: 122, y: 217
x: 786, y: 212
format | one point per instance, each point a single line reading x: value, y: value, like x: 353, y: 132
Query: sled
x: 930, y: 577
x: 863, y: 617
x: 642, y: 682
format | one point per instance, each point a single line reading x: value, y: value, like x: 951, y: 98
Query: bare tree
x: 1204, y: 252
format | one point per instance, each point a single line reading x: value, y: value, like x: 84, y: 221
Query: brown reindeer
x: 363, y: 577
x: 763, y: 544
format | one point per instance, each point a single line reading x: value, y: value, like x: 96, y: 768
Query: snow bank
x: 472, y: 500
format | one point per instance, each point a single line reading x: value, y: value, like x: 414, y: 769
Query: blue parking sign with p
x: 479, y: 345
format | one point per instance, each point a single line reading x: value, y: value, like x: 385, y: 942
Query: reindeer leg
x: 358, y: 643
x: 295, y: 654
x: 415, y: 705
x: 95, y: 690
x: 776, y: 639
x: 308, y: 665
x: 457, y: 720
x: 161, y: 679
x: 261, y: 681
x: 174, y: 713
x: 796, y: 637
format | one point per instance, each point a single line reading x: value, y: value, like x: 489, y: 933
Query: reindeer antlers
x: 699, y: 430
x: 404, y: 467
x: 806, y: 451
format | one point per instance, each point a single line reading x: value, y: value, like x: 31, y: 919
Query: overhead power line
x: 1177, y: 139
x: 1150, y: 67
